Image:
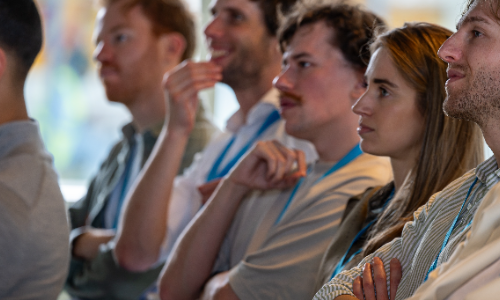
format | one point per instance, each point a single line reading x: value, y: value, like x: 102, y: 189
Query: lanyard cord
x: 273, y: 117
x: 341, y: 264
x: 349, y: 157
x: 448, y: 234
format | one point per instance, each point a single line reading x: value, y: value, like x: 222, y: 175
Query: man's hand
x: 86, y: 246
x: 206, y: 190
x: 375, y: 287
x: 269, y: 165
x: 182, y: 85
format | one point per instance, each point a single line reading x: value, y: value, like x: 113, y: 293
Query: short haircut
x: 271, y: 10
x: 167, y: 16
x: 354, y: 28
x: 494, y: 6
x: 20, y: 33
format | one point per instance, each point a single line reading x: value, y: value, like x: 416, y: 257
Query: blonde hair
x: 450, y: 147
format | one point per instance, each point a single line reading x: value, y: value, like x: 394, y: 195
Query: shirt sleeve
x: 103, y: 278
x: 402, y: 248
x: 285, y: 266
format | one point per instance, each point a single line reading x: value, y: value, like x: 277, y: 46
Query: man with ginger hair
x: 137, y: 41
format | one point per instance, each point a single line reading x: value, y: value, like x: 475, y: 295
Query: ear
x: 173, y: 45
x: 3, y: 63
x: 359, y: 88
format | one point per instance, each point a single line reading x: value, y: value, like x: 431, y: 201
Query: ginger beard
x: 477, y: 100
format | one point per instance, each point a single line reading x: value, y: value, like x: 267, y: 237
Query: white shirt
x: 186, y: 200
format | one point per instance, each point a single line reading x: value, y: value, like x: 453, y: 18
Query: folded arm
x: 266, y: 166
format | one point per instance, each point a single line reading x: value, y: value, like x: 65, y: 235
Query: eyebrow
x: 472, y: 19
x: 384, y: 81
x: 295, y: 57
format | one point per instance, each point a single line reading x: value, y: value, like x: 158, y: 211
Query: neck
x: 491, y: 134
x: 12, y: 106
x: 400, y: 169
x: 148, y: 109
x: 333, y: 142
x: 249, y: 96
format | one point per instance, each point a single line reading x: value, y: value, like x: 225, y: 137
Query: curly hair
x: 166, y: 16
x: 354, y: 28
x: 271, y: 10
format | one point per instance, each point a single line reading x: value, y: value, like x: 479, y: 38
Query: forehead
x: 381, y: 65
x: 242, y: 5
x: 313, y: 39
x: 480, y: 12
x: 116, y: 16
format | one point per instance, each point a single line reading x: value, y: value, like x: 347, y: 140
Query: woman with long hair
x: 401, y: 117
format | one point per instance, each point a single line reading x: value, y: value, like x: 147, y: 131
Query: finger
x: 368, y: 287
x: 380, y: 279
x: 290, y: 159
x: 301, y: 169
x: 357, y: 288
x: 263, y: 152
x: 396, y: 274
x: 280, y: 163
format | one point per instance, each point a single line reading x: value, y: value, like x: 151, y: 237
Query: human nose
x: 284, y: 81
x: 450, y: 51
x: 214, y: 28
x: 363, y: 106
x: 102, y: 52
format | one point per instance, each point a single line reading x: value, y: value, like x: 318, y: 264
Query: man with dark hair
x: 33, y: 225
x: 137, y: 41
x: 263, y: 232
x: 444, y: 223
x: 244, y: 55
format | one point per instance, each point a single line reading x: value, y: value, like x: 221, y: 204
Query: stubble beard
x: 479, y: 101
x: 247, y: 67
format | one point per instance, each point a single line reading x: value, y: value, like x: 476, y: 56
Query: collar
x: 256, y: 115
x: 14, y: 134
x: 129, y: 131
x: 487, y: 172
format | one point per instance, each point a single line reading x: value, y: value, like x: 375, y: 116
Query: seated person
x: 401, y: 117
x: 474, y: 268
x: 263, y: 232
x: 34, y: 234
x: 444, y: 222
x: 137, y: 41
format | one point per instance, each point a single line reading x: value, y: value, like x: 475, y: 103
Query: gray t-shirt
x: 34, y: 232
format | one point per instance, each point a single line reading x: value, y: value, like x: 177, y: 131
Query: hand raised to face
x: 182, y: 86
x: 269, y: 165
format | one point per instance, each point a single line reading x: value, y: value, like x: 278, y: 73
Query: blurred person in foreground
x: 263, y: 233
x: 34, y: 249
x: 441, y: 225
x: 401, y: 116
x: 137, y: 41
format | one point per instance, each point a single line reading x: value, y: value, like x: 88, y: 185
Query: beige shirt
x: 280, y: 260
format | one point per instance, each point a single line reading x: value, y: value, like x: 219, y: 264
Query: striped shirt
x: 422, y: 239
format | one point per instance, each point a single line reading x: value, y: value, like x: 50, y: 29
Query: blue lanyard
x: 341, y: 264
x: 352, y: 155
x: 126, y: 178
x: 214, y: 173
x: 448, y: 235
